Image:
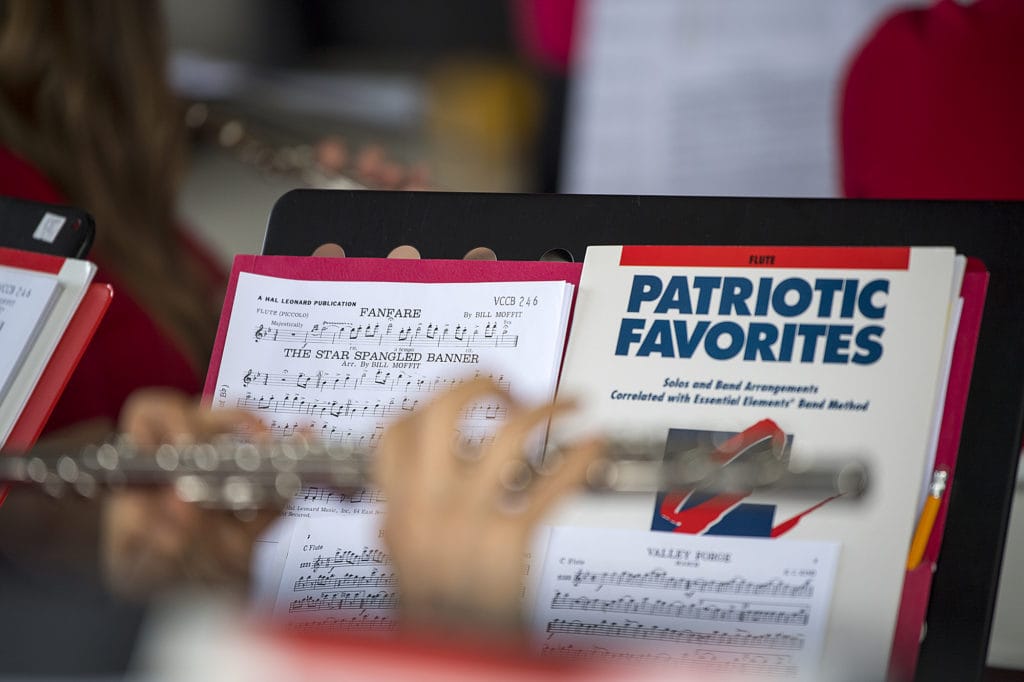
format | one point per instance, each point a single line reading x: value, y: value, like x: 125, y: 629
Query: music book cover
x: 838, y: 353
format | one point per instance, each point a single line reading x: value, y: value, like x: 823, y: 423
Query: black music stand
x: 524, y: 227
x: 45, y: 228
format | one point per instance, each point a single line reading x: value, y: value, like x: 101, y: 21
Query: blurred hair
x: 84, y: 97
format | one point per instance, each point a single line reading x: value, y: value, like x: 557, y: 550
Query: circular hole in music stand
x: 557, y: 256
x: 329, y: 250
x: 404, y: 251
x: 480, y: 253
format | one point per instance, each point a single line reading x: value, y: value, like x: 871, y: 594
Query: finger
x: 369, y: 161
x: 418, y: 178
x: 154, y: 417
x: 398, y: 440
x: 332, y: 154
x: 143, y: 544
x: 212, y: 422
x: 500, y: 460
x: 390, y: 175
x: 232, y: 542
x: 570, y: 475
x: 439, y: 424
x: 418, y: 453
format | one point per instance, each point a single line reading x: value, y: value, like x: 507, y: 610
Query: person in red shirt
x: 87, y: 118
x: 932, y: 105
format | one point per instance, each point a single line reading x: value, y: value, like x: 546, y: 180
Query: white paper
x: 73, y: 277
x: 337, y: 577
x: 711, y: 97
x: 715, y: 605
x: 342, y: 359
x: 25, y: 300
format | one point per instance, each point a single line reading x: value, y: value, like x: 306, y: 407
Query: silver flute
x: 228, y: 473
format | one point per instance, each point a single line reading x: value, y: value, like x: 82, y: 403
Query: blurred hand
x: 371, y: 166
x: 149, y: 538
x: 456, y: 531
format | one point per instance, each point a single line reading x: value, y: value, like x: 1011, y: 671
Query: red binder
x: 62, y: 363
x: 66, y: 355
x: 918, y: 582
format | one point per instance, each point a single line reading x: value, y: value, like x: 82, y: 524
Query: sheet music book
x: 25, y: 300
x: 842, y: 349
x: 57, y: 286
x: 340, y: 347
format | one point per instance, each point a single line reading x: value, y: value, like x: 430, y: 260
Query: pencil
x: 927, y: 521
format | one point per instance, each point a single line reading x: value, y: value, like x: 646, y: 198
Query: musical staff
x: 430, y: 335
x: 326, y: 582
x: 356, y: 409
x: 394, y: 381
x: 706, y: 605
x: 345, y: 600
x: 640, y: 631
x: 363, y: 623
x: 659, y: 579
x: 346, y: 557
x: 316, y: 494
x: 694, y: 611
x: 702, y: 661
x: 327, y: 432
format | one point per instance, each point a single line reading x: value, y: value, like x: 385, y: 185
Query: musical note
x: 345, y: 600
x: 639, y: 631
x: 705, y: 661
x: 435, y: 335
x: 346, y: 557
x: 363, y: 623
x: 659, y: 579
x: 694, y: 610
x: 391, y: 381
x: 329, y: 581
x: 294, y: 403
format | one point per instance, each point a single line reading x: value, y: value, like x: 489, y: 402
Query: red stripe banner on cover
x: 847, y: 257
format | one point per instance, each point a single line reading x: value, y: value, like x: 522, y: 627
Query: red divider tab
x: 846, y: 257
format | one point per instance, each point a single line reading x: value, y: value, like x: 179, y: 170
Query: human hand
x: 150, y: 539
x: 456, y: 530
x: 371, y: 166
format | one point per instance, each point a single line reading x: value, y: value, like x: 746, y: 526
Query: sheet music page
x: 340, y: 360
x: 735, y: 606
x: 706, y: 97
x: 62, y: 302
x: 337, y: 581
x: 25, y: 299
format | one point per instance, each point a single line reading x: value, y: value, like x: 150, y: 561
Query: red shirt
x: 129, y: 350
x: 933, y: 106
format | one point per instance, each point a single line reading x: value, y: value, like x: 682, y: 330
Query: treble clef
x: 261, y: 332
x: 247, y: 379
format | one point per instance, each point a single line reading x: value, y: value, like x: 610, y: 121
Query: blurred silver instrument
x: 227, y: 473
